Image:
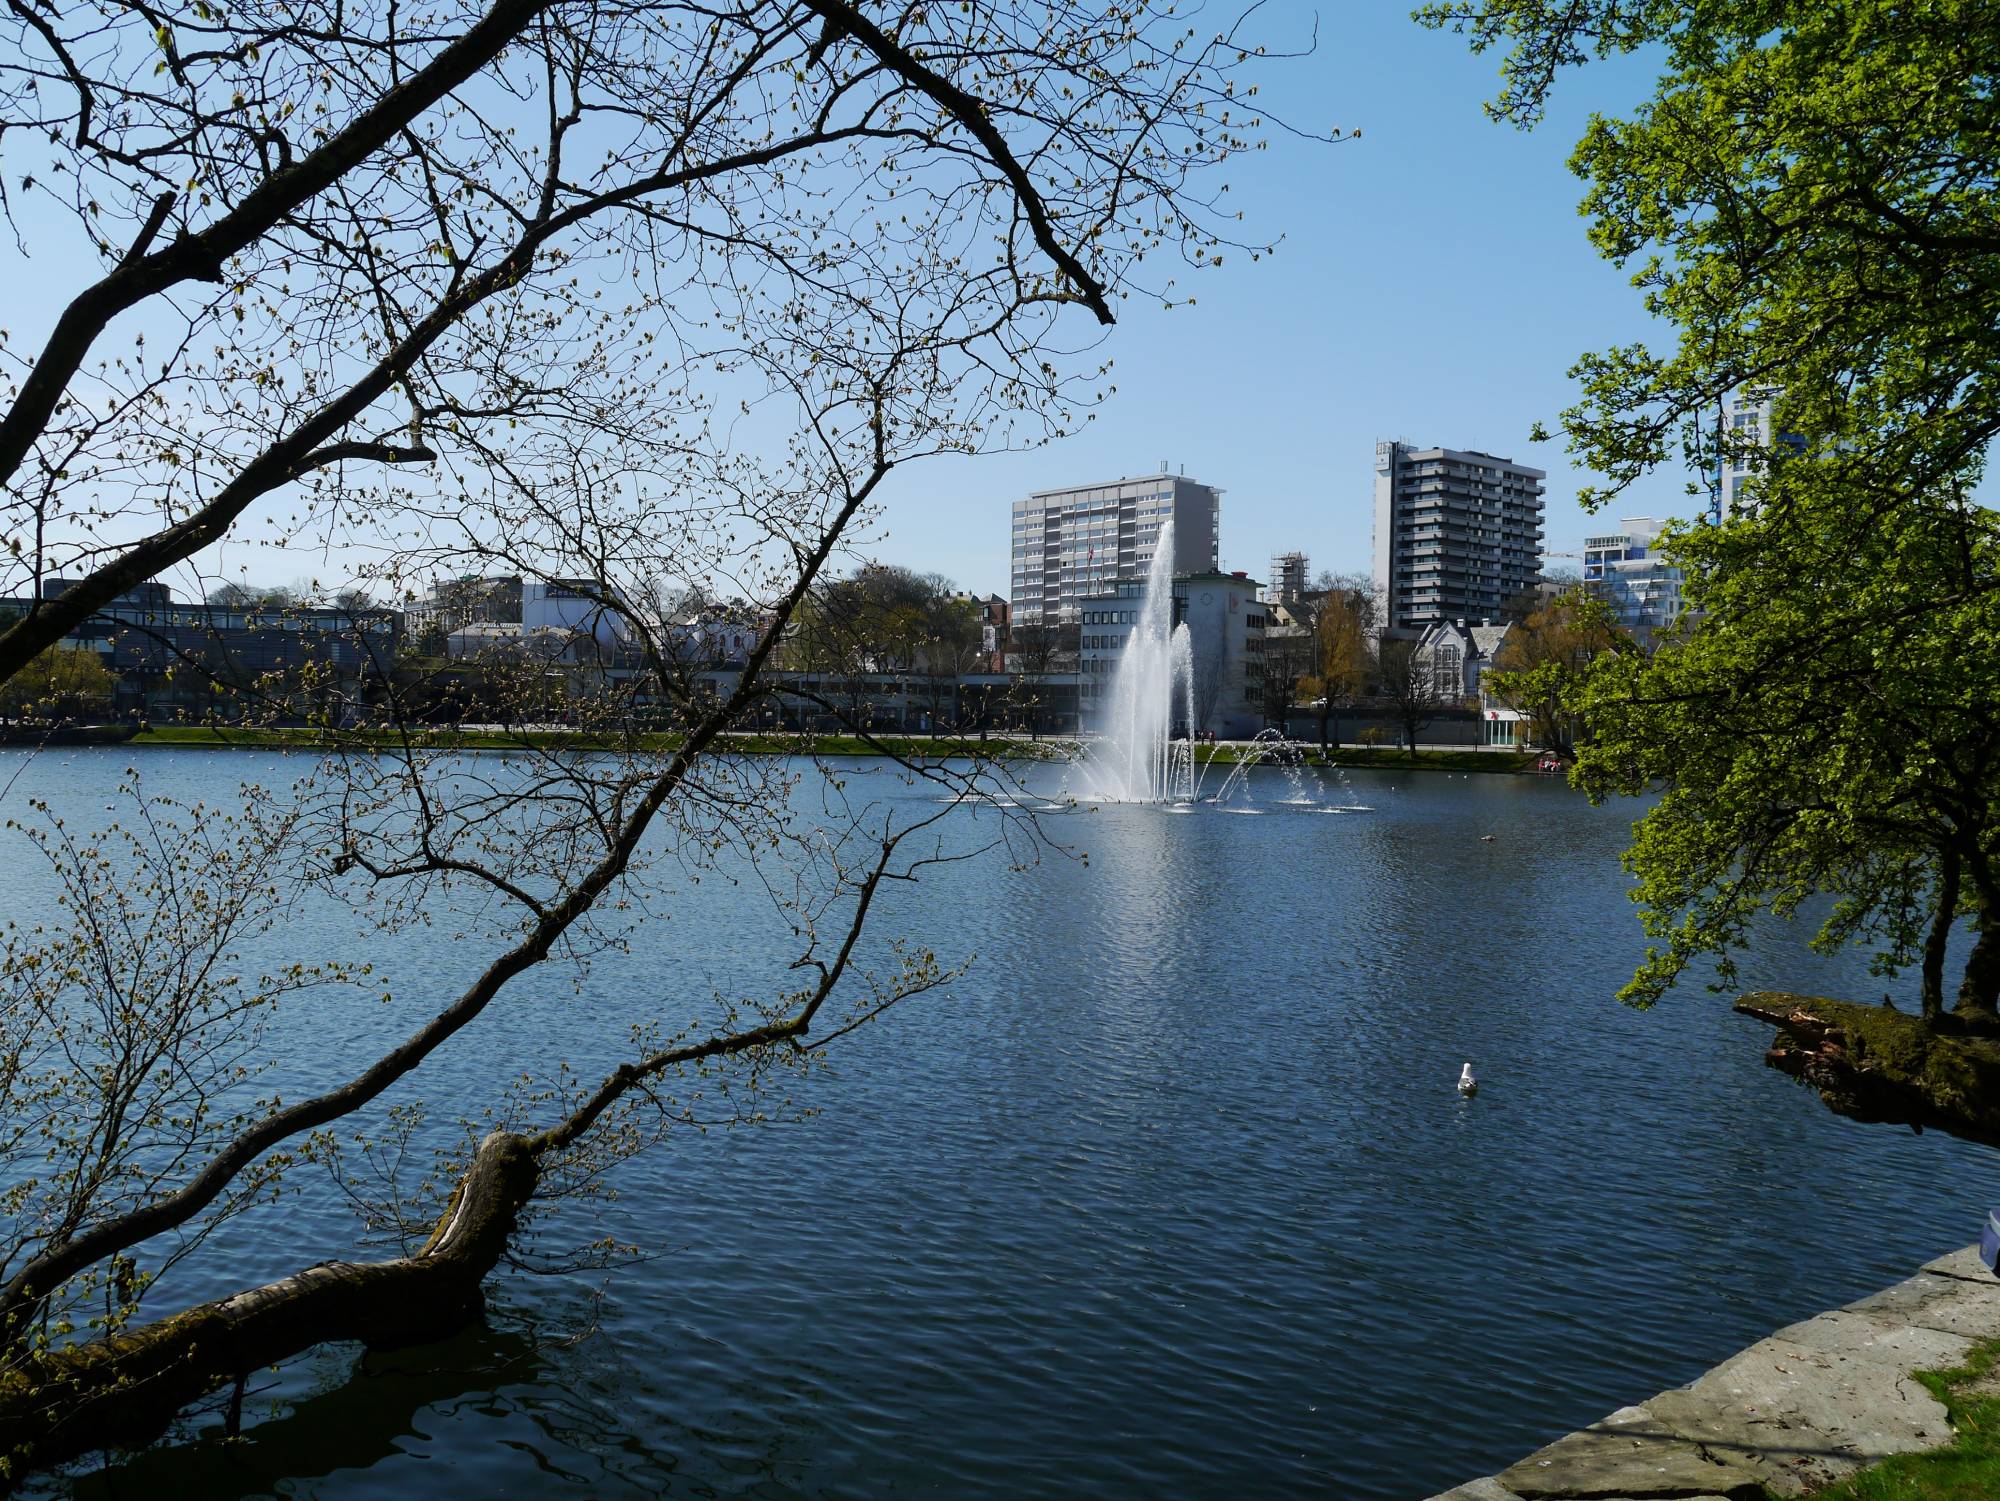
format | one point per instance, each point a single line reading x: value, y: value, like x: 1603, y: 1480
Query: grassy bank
x: 1967, y: 1468
x: 1383, y: 758
x: 755, y: 744
x: 923, y: 747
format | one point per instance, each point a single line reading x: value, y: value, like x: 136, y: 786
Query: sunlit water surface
x: 1171, y: 1194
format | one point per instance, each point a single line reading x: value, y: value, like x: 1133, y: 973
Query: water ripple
x: 1173, y: 1193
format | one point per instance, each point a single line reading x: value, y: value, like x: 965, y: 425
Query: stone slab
x: 1963, y: 1262
x: 1810, y: 1404
x: 1818, y: 1400
x: 1930, y: 1300
x: 1489, y: 1489
x: 1630, y: 1453
x: 1486, y: 1489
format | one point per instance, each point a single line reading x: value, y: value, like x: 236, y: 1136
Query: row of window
x: 199, y: 618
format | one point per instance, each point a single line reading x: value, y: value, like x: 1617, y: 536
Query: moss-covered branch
x: 1875, y: 1063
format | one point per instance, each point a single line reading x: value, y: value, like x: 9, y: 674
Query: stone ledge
x: 1793, y: 1412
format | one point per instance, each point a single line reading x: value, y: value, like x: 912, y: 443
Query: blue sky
x: 1435, y: 283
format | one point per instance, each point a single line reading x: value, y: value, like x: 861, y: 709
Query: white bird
x: 1467, y: 1085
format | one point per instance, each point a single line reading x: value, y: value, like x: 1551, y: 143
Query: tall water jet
x: 1136, y: 757
x: 1133, y: 760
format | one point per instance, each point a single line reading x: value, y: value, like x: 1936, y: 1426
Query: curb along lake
x: 1171, y: 1193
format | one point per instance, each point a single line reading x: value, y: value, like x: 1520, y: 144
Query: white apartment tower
x: 1457, y: 534
x: 1746, y: 424
x: 1071, y: 544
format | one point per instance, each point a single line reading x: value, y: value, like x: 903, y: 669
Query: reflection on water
x: 1174, y: 1193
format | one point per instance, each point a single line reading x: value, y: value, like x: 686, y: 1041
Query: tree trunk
x: 125, y: 1390
x: 1940, y: 935
x: 1979, y: 988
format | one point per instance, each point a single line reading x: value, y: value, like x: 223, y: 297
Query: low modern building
x: 716, y: 635
x: 484, y: 640
x: 1225, y: 616
x: 1500, y: 724
x: 576, y: 607
x: 175, y: 658
x: 570, y: 605
x: 1070, y: 545
x: 1458, y: 533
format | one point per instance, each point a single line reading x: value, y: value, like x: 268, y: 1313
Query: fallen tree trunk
x: 61, y: 1404
x: 1878, y: 1064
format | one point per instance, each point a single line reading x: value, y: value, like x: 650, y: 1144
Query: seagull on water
x: 1467, y: 1085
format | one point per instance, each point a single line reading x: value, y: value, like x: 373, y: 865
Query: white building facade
x: 1069, y: 545
x: 571, y: 606
x: 1226, y: 618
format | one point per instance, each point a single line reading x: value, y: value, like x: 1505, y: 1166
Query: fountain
x: 1271, y: 748
x: 1136, y: 757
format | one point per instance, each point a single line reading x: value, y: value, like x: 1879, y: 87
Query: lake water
x: 1171, y: 1194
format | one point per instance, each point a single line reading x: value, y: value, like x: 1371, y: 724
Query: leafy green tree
x: 1858, y: 761
x: 1537, y: 668
x: 1811, y: 199
x: 62, y: 683
x: 1811, y: 202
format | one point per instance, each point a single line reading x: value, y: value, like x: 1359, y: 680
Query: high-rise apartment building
x: 1071, y: 544
x: 1457, y: 534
